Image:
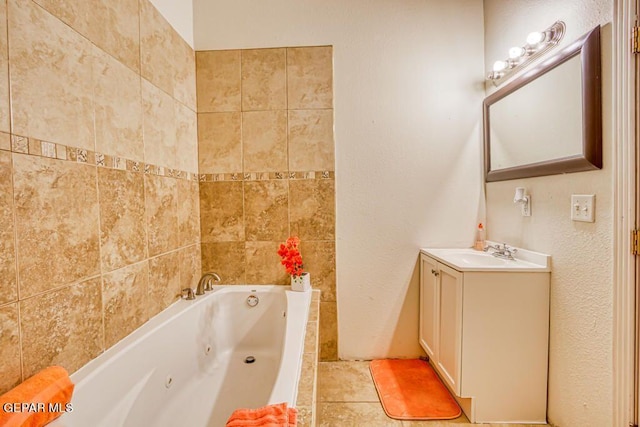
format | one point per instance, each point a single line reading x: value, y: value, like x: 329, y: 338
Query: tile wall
x: 266, y: 164
x: 99, y: 205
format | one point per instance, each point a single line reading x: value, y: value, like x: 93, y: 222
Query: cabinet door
x: 429, y: 306
x: 450, y: 323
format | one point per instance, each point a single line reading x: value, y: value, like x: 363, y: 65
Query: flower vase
x: 301, y: 283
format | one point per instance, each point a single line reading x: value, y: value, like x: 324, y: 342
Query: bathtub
x: 197, y: 361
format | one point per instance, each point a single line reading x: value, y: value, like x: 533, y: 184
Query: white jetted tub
x: 197, y: 361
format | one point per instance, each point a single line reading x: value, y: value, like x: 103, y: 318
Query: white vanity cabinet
x: 486, y: 331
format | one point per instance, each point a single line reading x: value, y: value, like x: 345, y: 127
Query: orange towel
x: 38, y: 400
x: 277, y: 415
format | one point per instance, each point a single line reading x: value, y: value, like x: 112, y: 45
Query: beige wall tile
x: 161, y: 201
x: 320, y: 261
x: 311, y: 144
x: 159, y: 124
x: 118, y: 109
x: 328, y: 331
x: 305, y: 414
x: 57, y: 224
x: 63, y: 327
x: 310, y: 338
x: 186, y: 139
x: 10, y: 374
x: 264, y: 84
x: 307, y: 379
x: 51, y: 86
x: 164, y: 282
x: 125, y: 301
x: 190, y: 266
x: 5, y: 112
x: 184, y: 71
x: 111, y: 25
x: 188, y: 212
x: 9, y: 286
x: 5, y: 140
x: 310, y: 77
x: 312, y: 209
x: 221, y: 212
x: 218, y: 80
x: 266, y: 210
x: 123, y: 224
x: 219, y: 143
x: 264, y: 141
x: 263, y: 264
x: 156, y: 40
x: 227, y: 259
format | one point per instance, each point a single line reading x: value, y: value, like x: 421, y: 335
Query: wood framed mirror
x: 548, y: 120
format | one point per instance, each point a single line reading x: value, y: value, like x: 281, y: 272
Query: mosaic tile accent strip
x: 19, y: 144
x: 264, y: 176
x: 61, y: 152
x: 48, y: 149
x: 36, y: 147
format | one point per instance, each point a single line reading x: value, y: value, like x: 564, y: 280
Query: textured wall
x: 99, y: 216
x: 581, y: 322
x: 408, y: 90
x: 266, y: 160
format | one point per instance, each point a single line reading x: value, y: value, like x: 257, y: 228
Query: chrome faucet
x: 205, y: 283
x: 504, y: 251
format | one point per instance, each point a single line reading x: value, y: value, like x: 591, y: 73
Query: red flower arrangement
x: 291, y: 258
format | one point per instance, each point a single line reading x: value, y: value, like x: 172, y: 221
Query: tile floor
x: 347, y: 397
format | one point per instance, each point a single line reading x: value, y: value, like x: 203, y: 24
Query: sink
x: 467, y: 259
x: 482, y: 259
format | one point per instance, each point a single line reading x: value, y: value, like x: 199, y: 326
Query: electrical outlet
x: 583, y: 207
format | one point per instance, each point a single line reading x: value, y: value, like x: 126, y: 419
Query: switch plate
x: 583, y: 207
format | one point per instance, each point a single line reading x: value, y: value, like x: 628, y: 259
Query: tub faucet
x: 504, y: 251
x: 205, y: 283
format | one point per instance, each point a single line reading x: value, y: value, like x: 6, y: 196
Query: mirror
x: 549, y: 120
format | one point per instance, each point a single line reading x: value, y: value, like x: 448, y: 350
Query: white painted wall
x: 179, y: 14
x: 581, y: 318
x: 408, y: 92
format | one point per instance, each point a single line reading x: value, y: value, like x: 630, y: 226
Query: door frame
x: 624, y: 163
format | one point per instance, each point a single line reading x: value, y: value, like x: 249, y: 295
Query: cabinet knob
x: 435, y: 273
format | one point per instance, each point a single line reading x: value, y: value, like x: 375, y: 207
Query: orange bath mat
x: 409, y: 389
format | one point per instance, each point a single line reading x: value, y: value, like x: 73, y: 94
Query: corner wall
x: 99, y: 216
x: 408, y: 91
x: 581, y: 318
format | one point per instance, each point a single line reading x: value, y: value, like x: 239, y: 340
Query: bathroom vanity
x: 484, y: 324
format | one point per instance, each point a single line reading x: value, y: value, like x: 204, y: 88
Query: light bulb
x: 499, y: 65
x: 516, y: 52
x: 535, y: 38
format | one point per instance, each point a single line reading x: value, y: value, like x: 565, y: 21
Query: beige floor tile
x: 348, y: 414
x: 461, y: 421
x: 345, y: 382
x: 347, y: 397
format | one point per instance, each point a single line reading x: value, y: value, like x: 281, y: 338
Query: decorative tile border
x: 265, y: 176
x: 36, y: 147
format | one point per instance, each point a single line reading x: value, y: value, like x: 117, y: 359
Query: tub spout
x: 205, y: 283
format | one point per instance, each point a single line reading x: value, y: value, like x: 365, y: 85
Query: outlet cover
x: 583, y: 207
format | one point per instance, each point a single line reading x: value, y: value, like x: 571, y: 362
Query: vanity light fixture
x: 538, y: 43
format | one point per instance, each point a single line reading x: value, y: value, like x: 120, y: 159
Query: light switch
x: 583, y: 207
